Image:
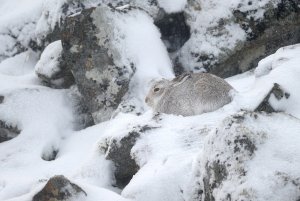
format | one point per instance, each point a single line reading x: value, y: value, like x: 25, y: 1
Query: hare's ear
x: 181, y: 79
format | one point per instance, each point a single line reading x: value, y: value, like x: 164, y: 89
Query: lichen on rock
x: 91, y: 42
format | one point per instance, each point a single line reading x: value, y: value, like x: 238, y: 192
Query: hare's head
x: 156, y: 92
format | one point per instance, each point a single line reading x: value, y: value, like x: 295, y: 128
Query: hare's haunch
x: 189, y: 94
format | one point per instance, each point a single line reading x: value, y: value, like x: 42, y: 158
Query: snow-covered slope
x: 234, y: 153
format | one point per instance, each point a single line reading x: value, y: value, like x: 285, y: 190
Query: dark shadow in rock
x: 174, y: 30
x: 59, y: 188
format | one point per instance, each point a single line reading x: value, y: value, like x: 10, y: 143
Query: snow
x: 168, y: 154
x: 48, y: 65
x: 171, y: 6
x: 151, y: 62
x: 19, y: 64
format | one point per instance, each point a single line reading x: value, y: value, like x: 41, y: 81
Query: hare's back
x: 208, y: 88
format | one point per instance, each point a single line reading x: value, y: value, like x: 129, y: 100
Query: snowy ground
x: 168, y: 155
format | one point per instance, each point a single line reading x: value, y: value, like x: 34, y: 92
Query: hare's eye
x: 156, y: 89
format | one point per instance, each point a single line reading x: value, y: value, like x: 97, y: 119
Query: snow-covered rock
x: 102, y: 49
x: 250, y: 156
x: 276, y: 92
x: 230, y: 37
x: 52, y: 69
x: 118, y: 150
x: 7, y: 132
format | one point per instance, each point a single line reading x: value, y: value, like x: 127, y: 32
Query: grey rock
x: 89, y: 52
x: 59, y: 188
x: 118, y: 151
x: 8, y: 132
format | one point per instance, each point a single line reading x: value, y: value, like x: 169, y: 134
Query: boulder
x: 232, y: 44
x: 118, y: 150
x: 239, y: 160
x: 59, y: 188
x: 91, y: 51
x: 52, y: 69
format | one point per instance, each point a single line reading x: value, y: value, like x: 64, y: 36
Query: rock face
x: 90, y: 51
x: 52, y: 69
x: 234, y: 44
x: 59, y: 188
x: 119, y: 151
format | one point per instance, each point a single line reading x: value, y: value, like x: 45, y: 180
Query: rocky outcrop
x: 59, y: 188
x: 91, y: 52
x: 52, y: 69
x: 118, y: 150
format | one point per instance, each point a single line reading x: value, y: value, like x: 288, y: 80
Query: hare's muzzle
x: 146, y: 99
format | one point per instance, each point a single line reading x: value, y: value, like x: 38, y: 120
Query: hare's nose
x: 146, y: 99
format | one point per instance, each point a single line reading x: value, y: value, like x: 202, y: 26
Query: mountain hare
x: 189, y: 94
